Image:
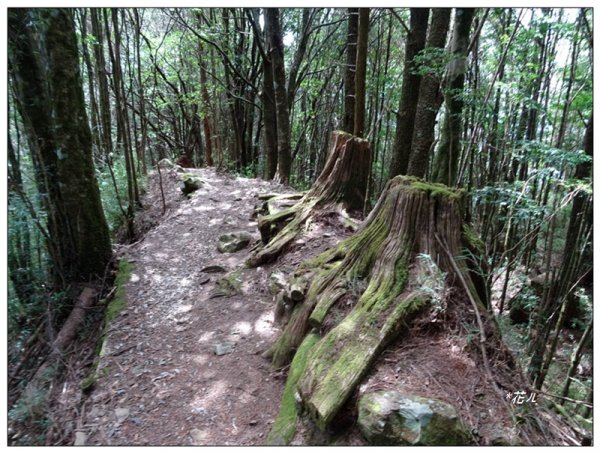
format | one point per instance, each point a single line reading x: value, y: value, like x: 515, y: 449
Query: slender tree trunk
x: 411, y: 81
x: 284, y: 160
x: 430, y: 98
x: 207, y: 108
x: 95, y: 129
x: 141, y: 97
x: 269, y: 108
x: 350, y: 72
x: 446, y: 165
x: 100, y: 64
x: 361, y: 71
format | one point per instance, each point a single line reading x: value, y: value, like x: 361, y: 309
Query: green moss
x: 284, y: 427
x: 89, y: 382
x: 119, y: 302
x: 437, y: 190
x: 473, y: 238
x: 230, y: 284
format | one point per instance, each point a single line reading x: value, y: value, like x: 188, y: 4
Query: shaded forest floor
x: 181, y: 363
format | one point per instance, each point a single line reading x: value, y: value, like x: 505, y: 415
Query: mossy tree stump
x: 411, y: 219
x: 341, y: 186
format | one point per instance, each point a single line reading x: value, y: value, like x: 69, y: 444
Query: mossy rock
x: 190, y: 183
x: 233, y: 242
x: 390, y: 418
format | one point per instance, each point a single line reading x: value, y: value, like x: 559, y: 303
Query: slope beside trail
x: 182, y: 362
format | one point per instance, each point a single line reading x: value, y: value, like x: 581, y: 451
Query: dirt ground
x: 182, y: 363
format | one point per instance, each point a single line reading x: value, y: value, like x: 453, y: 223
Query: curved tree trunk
x: 341, y: 185
x: 414, y: 234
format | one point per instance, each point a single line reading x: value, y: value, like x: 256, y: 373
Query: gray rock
x: 190, y: 183
x: 121, y: 413
x: 80, y: 438
x: 233, y: 242
x: 224, y: 348
x: 390, y: 418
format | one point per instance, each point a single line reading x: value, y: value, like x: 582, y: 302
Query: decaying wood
x: 40, y: 383
x: 379, y: 263
x: 342, y: 182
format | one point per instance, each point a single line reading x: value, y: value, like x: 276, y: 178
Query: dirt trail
x: 161, y: 381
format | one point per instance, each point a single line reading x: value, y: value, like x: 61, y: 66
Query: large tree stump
x: 414, y: 234
x: 341, y: 186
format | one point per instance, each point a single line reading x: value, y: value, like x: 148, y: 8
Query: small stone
x: 134, y: 278
x: 213, y: 269
x: 80, y: 438
x: 136, y: 421
x: 233, y: 242
x: 198, y: 436
x: 224, y: 348
x: 253, y: 422
x: 121, y: 413
x: 200, y: 411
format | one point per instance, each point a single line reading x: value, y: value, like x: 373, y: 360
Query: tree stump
x: 341, y: 186
x: 414, y: 234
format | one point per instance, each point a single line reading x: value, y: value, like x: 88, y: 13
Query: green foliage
x: 108, y: 192
x: 432, y: 61
x: 432, y: 281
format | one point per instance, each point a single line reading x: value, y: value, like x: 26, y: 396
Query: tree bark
x: 284, y: 148
x: 100, y: 65
x: 411, y: 220
x: 446, y: 164
x: 411, y: 81
x: 350, y: 71
x: 51, y: 103
x: 361, y: 71
x: 269, y: 108
x: 430, y: 98
x: 342, y: 183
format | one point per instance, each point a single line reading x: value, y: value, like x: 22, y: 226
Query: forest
x: 299, y: 226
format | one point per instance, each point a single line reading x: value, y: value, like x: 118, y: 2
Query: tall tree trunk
x: 269, y: 108
x: 284, y: 159
x: 411, y: 81
x: 122, y: 116
x: 350, y: 71
x: 95, y: 129
x: 430, y: 98
x: 141, y: 97
x: 445, y: 167
x: 207, y: 108
x: 100, y: 65
x: 51, y: 103
x: 361, y: 71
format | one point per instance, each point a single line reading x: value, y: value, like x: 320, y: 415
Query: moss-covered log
x: 378, y: 267
x: 341, y: 186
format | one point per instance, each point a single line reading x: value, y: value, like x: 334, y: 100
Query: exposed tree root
x: 341, y: 186
x: 378, y: 273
